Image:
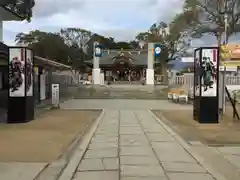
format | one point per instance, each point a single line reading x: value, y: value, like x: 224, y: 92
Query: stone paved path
x: 133, y: 104
x: 232, y: 154
x: 132, y: 145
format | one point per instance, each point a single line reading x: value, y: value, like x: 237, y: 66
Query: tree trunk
x: 164, y: 73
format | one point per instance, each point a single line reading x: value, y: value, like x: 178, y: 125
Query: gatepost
x: 206, y: 85
x: 96, y: 72
x: 154, y: 51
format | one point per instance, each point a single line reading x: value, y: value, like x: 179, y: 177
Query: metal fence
x: 233, y: 80
x: 67, y: 85
x: 187, y: 80
x: 70, y: 88
x: 177, y: 80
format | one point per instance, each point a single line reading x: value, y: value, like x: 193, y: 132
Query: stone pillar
x: 96, y: 78
x: 150, y: 68
x: 1, y: 30
x: 102, y: 78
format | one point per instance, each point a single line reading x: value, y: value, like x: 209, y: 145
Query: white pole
x: 96, y: 70
x: 150, y: 65
x: 225, y: 27
x: 224, y: 73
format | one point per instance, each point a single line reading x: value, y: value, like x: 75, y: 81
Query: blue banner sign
x: 98, y: 50
x: 157, y: 50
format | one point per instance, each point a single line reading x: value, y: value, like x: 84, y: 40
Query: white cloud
x: 121, y: 19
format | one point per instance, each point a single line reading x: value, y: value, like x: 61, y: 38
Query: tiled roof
x: 137, y: 59
x: 39, y: 61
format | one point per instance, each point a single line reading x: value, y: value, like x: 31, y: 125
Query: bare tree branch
x: 211, y: 17
x: 75, y: 36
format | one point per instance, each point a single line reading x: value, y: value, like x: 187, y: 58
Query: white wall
x: 42, y: 86
x: 230, y: 69
x: 1, y: 30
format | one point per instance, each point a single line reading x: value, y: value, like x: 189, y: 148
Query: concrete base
x: 150, y: 77
x: 96, y: 78
x: 102, y: 79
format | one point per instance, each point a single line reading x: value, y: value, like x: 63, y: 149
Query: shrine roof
x: 43, y: 62
x: 136, y: 58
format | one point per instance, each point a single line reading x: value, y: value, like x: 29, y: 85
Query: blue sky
x: 121, y: 19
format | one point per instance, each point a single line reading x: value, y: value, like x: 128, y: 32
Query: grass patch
x: 226, y: 132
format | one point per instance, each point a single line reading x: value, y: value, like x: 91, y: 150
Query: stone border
x: 65, y: 166
x: 187, y: 147
x: 71, y: 167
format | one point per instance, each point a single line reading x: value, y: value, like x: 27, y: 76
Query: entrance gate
x: 123, y: 63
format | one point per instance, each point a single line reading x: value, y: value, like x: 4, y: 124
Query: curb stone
x: 53, y: 170
x: 70, y: 169
x: 188, y: 148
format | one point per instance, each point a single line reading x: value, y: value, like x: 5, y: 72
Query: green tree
x: 209, y: 17
x: 173, y: 38
x: 23, y: 8
x: 77, y: 57
x: 107, y: 42
x: 30, y: 38
x: 143, y: 36
x: 47, y: 45
x: 122, y: 45
x: 75, y: 36
x: 76, y: 39
x: 134, y: 44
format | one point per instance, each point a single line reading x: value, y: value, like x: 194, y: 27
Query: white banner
x: 16, y: 72
x: 209, y: 68
x: 55, y: 95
